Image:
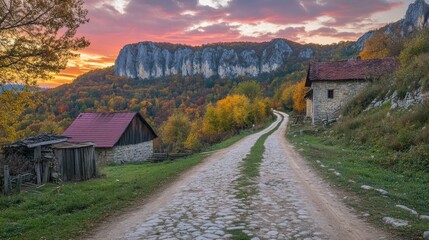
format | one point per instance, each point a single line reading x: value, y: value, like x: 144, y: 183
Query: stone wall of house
x: 133, y: 152
x: 124, y: 154
x: 104, y: 156
x: 309, y: 107
x: 326, y: 108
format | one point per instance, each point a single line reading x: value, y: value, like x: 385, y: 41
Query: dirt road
x: 291, y: 201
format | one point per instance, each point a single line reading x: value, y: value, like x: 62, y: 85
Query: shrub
x: 375, y: 90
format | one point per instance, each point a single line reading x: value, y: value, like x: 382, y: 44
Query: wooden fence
x: 159, y: 157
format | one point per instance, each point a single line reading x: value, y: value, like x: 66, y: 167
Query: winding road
x: 290, y: 202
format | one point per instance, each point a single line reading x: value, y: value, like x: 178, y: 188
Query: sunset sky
x: 115, y: 23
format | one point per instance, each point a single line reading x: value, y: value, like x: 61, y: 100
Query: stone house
x: 334, y: 84
x: 119, y: 137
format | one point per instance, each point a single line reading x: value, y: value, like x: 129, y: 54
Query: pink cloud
x: 164, y: 21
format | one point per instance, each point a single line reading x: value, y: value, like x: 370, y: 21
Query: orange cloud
x: 83, y: 63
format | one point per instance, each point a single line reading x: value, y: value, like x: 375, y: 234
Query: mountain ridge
x: 147, y: 60
x: 151, y: 60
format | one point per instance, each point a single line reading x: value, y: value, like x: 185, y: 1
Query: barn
x: 334, y: 84
x: 119, y: 137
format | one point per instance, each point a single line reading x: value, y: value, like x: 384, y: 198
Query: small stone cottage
x: 334, y: 84
x: 119, y: 137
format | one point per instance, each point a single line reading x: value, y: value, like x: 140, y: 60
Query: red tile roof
x: 349, y: 70
x: 103, y: 129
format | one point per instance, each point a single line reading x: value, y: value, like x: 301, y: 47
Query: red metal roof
x: 103, y: 129
x: 349, y: 70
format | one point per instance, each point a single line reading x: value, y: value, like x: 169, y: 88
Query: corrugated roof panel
x: 103, y: 129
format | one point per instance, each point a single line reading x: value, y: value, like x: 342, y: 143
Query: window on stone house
x: 331, y: 93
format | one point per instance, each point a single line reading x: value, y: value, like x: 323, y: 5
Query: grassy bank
x: 68, y: 211
x: 349, y: 167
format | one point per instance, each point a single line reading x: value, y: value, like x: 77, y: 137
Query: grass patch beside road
x: 357, y: 166
x: 245, y: 184
x: 77, y: 207
x: 250, y: 165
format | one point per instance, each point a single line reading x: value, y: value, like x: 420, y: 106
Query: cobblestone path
x: 207, y: 208
x: 288, y: 202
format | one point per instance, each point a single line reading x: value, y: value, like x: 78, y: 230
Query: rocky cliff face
x: 152, y: 60
x: 416, y: 17
x: 147, y: 60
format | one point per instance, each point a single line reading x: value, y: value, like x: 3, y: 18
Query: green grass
x: 75, y: 209
x: 358, y: 166
x: 249, y: 170
x: 250, y: 166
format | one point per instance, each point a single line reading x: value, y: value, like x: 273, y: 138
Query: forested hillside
x: 157, y: 99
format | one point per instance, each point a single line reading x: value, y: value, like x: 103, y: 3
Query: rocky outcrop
x: 411, y: 98
x: 416, y: 17
x: 360, y: 43
x: 307, y: 53
x: 153, y: 60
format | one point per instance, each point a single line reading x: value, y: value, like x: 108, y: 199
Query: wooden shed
x: 119, y: 137
x: 49, y: 157
x: 75, y: 161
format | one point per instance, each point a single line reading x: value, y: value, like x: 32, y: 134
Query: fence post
x: 6, y: 180
x: 18, y: 183
x: 38, y: 174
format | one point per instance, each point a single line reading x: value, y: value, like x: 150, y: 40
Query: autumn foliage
x: 223, y: 119
x: 290, y: 96
x: 382, y: 46
x: 299, y: 103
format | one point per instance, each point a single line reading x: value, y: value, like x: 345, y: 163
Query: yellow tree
x: 175, y: 130
x: 381, y: 46
x: 37, y: 37
x: 12, y: 105
x: 194, y: 139
x: 287, y: 96
x: 299, y: 103
x: 232, y: 112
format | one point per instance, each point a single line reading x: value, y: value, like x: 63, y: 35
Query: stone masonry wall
x: 309, y: 107
x: 104, y: 156
x: 344, y: 91
x: 133, y: 153
x: 123, y: 154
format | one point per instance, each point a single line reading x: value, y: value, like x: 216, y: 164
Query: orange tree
x: 299, y: 103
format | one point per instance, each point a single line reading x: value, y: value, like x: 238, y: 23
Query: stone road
x: 208, y: 207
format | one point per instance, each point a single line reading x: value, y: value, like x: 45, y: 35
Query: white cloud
x: 188, y: 13
x: 119, y: 5
x: 201, y: 25
x: 258, y: 29
x: 214, y: 3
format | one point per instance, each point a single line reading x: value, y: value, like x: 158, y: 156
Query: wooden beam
x: 6, y: 180
x: 38, y: 174
x: 45, y: 171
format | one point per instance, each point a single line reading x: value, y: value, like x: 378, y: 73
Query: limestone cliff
x: 146, y: 60
x: 153, y: 60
